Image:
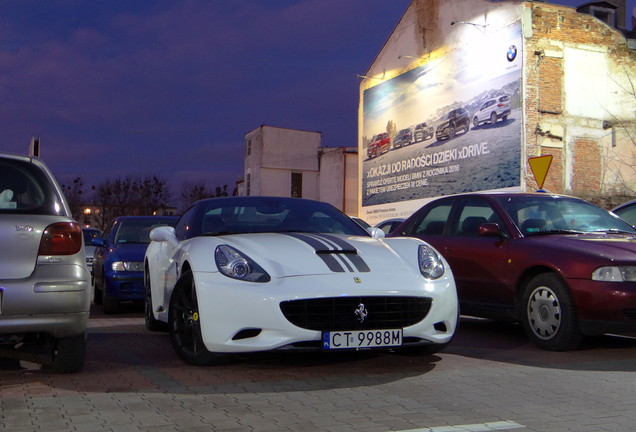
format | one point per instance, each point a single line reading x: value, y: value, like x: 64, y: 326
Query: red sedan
x: 562, y: 266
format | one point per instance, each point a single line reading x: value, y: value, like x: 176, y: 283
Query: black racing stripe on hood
x: 360, y: 264
x: 346, y: 252
x: 331, y: 262
x: 355, y: 259
x: 343, y: 245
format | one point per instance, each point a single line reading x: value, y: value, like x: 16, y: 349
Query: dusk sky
x: 125, y: 87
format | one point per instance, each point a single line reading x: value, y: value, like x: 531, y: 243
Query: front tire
x: 184, y: 325
x: 69, y: 354
x: 475, y: 123
x: 493, y: 118
x: 549, y: 316
x: 109, y: 304
x: 97, y: 294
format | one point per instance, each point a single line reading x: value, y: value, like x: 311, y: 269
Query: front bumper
x: 604, y: 307
x: 125, y: 285
x: 228, y: 307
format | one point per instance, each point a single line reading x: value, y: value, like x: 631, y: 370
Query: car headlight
x: 128, y: 266
x: 615, y: 274
x: 431, y: 264
x: 234, y: 264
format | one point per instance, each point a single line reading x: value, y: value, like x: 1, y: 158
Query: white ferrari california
x: 248, y: 274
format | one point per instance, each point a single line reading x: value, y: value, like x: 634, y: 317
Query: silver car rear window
x: 26, y: 189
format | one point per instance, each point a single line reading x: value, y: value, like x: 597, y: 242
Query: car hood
x: 294, y: 254
x: 128, y: 252
x: 607, y: 246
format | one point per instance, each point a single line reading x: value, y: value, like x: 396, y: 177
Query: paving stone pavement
x: 490, y: 378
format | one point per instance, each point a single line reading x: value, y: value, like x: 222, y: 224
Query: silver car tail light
x: 64, y: 238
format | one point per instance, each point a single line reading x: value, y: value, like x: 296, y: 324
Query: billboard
x: 450, y: 126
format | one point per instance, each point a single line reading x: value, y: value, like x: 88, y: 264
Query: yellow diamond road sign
x: 540, y: 166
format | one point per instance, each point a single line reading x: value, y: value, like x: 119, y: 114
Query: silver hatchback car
x: 44, y: 280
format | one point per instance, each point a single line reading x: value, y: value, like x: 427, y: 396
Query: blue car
x: 119, y: 258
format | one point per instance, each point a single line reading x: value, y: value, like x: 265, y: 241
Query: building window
x: 297, y: 185
x: 248, y: 147
x: 247, y: 184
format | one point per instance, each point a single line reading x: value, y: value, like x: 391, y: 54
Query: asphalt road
x: 489, y: 378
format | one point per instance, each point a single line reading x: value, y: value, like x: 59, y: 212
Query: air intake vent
x: 339, y: 313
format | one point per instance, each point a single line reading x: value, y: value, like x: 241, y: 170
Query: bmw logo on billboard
x: 512, y: 53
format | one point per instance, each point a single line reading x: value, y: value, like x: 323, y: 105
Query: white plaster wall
x: 276, y: 153
x: 277, y: 182
x: 253, y: 161
x: 310, y: 184
x: 410, y: 45
x: 290, y: 149
x: 331, y: 189
x: 351, y: 184
x: 607, y: 98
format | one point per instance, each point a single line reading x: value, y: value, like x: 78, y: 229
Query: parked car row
x: 562, y: 267
x: 454, y: 121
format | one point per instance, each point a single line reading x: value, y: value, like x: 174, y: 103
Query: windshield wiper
x: 613, y: 231
x: 555, y: 231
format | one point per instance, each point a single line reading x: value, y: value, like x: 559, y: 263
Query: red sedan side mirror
x: 490, y: 230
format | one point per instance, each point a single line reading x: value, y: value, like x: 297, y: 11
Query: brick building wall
x: 550, y: 85
x: 586, y: 167
x: 578, y: 156
x: 554, y: 182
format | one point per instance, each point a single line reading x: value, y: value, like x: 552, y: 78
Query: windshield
x: 89, y: 235
x: 137, y: 230
x: 269, y: 214
x: 547, y: 214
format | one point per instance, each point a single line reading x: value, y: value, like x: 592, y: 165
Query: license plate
x: 361, y: 339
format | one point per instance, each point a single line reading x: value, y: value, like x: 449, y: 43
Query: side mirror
x: 376, y: 233
x: 491, y: 230
x: 99, y: 242
x: 164, y: 234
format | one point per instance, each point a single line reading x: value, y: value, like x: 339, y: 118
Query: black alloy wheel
x: 110, y: 305
x: 184, y: 325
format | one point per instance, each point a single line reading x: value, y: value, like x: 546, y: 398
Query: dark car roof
x: 504, y: 194
x: 145, y: 217
x: 626, y: 204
